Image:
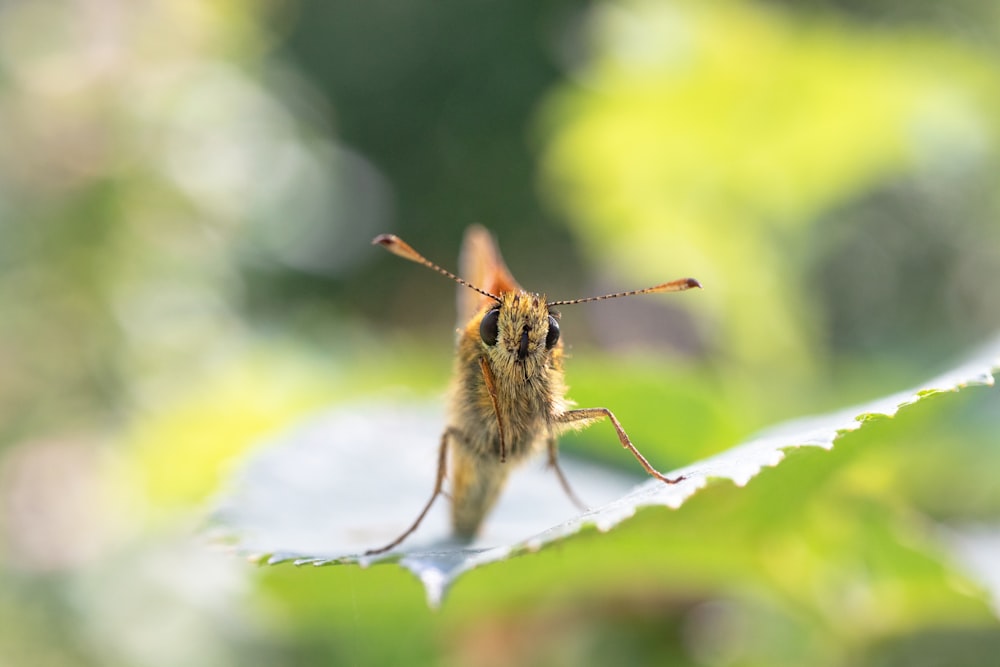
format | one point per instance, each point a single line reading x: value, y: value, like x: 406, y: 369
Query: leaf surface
x: 354, y: 478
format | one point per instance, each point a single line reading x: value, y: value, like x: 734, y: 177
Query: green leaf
x: 354, y: 478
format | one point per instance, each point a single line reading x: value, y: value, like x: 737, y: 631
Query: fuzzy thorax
x: 526, y: 377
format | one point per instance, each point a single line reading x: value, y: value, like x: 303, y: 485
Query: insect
x: 508, y: 398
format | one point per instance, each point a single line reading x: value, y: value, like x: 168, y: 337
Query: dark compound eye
x: 488, y: 327
x: 552, y: 337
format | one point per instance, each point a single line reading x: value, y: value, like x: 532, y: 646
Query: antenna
x: 673, y: 286
x: 398, y: 246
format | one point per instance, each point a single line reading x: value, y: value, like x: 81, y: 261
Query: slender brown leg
x: 491, y: 388
x: 599, y: 413
x: 442, y: 468
x: 554, y: 462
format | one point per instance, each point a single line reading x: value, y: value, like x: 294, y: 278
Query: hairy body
x: 504, y: 405
x: 508, y: 397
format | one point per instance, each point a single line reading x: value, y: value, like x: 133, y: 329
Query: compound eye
x: 552, y: 337
x: 488, y: 329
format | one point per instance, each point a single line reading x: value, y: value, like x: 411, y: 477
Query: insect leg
x: 584, y: 414
x: 491, y: 388
x: 554, y: 462
x: 442, y: 468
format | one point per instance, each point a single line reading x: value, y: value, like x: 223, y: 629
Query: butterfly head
x: 519, y: 330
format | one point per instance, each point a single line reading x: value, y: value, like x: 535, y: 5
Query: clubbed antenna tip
x: 398, y: 246
x: 678, y: 285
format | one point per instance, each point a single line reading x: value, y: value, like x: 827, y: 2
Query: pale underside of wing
x: 480, y: 263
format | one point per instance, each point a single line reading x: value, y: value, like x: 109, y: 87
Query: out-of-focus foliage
x: 187, y: 193
x: 148, y: 147
x: 722, y: 139
x: 150, y: 150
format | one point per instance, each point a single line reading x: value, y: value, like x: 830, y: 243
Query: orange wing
x: 480, y: 263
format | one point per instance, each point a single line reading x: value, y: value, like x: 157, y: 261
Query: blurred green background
x: 187, y: 195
